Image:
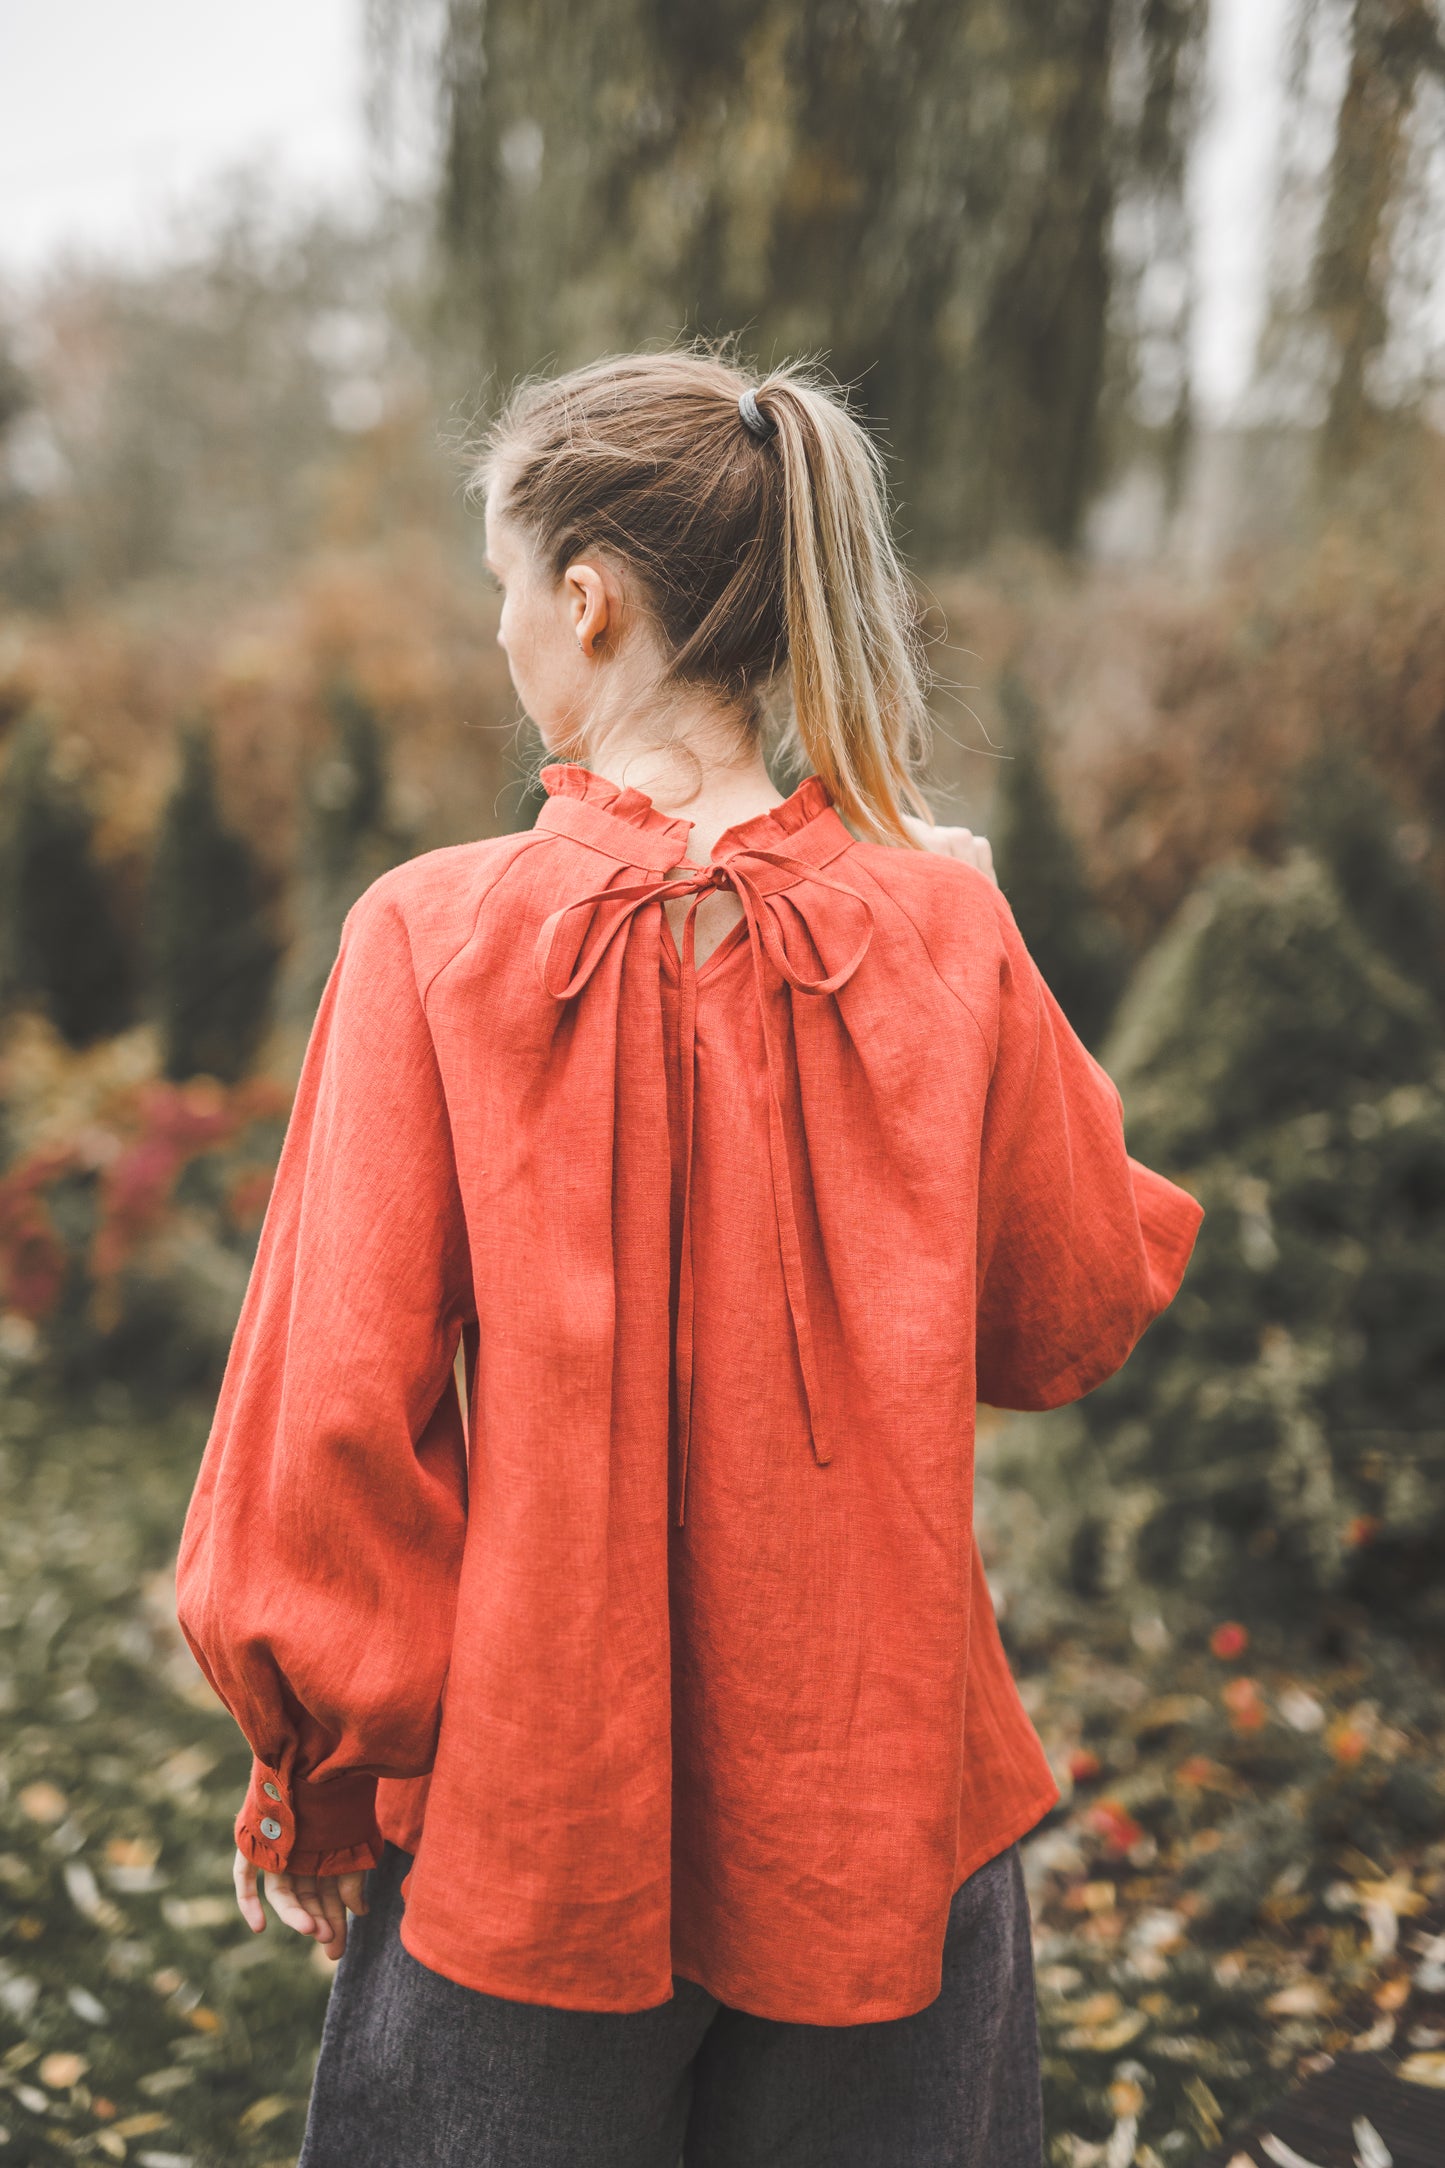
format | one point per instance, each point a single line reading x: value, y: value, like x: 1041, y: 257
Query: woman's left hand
x: 314, y: 1904
x: 959, y: 843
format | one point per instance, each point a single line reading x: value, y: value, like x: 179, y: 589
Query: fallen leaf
x: 62, y: 2071
x: 262, y: 2112
x: 1094, y: 2009
x: 1428, y: 2069
x: 1398, y: 1894
x: 1284, y: 2156
x: 85, y: 1896
x: 1371, y: 2150
x: 1307, y: 1998
x: 1169, y: 1711
x: 1119, y: 2149
x: 157, y: 2083
x: 1157, y: 1930
x: 1107, y: 2039
x: 1300, y: 1710
x: 1111, y: 1821
x: 43, y: 1803
x: 1126, y: 2097
x: 132, y: 1852
x: 1090, y: 1897
x: 1199, y: 1773
x: 1245, y: 1704
x: 191, y: 1912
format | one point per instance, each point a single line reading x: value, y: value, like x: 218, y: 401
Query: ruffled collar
x: 626, y: 824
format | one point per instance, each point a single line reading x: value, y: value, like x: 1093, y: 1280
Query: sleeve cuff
x: 288, y: 1825
x: 1169, y: 1222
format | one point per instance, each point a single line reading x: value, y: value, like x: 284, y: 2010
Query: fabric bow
x: 613, y: 909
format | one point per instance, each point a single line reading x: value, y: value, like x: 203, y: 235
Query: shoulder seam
x: 526, y: 842
x: 948, y: 987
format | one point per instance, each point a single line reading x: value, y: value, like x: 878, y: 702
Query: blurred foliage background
x: 1191, y: 677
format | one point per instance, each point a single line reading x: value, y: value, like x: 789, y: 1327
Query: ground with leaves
x: 1246, y: 1879
x: 139, y: 2020
x: 1244, y: 1876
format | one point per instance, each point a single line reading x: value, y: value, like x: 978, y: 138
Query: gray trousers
x: 417, y: 2072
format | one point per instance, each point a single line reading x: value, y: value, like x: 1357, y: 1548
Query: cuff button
x: 270, y: 1827
x: 272, y: 1791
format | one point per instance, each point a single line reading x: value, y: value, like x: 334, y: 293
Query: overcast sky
x: 114, y: 112
x: 111, y: 110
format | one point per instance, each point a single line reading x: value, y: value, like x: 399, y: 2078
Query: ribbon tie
x: 612, y: 909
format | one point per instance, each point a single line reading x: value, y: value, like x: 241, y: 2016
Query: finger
x: 318, y: 1894
x: 933, y: 837
x: 307, y: 1889
x: 287, y: 1906
x: 253, y: 1912
x: 353, y: 1892
x: 334, y: 1912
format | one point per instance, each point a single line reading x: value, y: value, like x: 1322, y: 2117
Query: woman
x: 656, y: 1694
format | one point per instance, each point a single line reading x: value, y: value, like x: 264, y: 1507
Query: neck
x: 702, y: 772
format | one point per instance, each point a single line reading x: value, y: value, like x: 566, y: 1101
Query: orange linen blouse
x: 675, y: 1657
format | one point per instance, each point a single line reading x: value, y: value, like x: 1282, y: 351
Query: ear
x: 590, y: 605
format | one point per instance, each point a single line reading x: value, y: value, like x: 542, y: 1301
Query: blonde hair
x: 755, y: 555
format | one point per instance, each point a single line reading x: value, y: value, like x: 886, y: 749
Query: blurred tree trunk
x: 1392, y: 42
x: 922, y: 191
x: 1338, y: 292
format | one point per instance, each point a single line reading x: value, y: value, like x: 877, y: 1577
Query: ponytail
x: 854, y: 668
x: 758, y: 528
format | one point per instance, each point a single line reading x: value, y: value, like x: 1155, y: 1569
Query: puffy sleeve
x: 317, y: 1575
x: 1080, y: 1247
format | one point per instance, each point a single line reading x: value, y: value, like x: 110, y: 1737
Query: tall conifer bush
x: 212, y: 953
x: 348, y: 837
x: 1275, y: 1441
x: 1080, y: 953
x: 1344, y: 814
x: 62, y: 947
